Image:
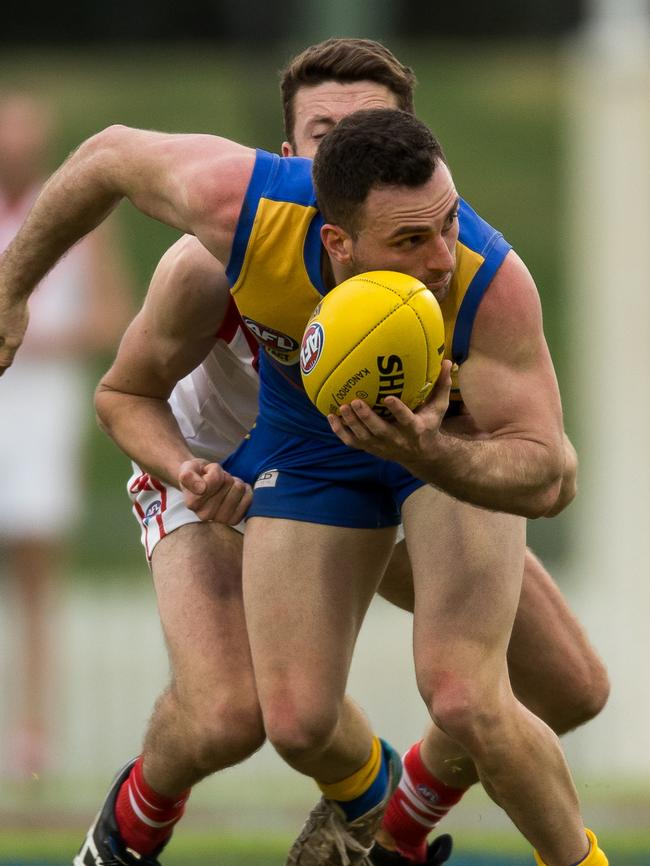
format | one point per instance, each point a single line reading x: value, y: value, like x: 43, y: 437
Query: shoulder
x: 509, y: 315
x: 189, y: 288
x: 189, y: 263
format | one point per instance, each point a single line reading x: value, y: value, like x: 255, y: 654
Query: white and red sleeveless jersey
x: 216, y: 405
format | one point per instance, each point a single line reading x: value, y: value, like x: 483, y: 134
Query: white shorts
x: 159, y: 509
x: 44, y: 410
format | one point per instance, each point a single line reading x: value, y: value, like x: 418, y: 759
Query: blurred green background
x: 496, y: 108
x: 499, y: 110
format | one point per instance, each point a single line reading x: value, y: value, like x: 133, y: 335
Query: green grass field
x: 53, y: 848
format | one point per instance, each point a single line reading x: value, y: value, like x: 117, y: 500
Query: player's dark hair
x: 344, y: 60
x: 368, y: 149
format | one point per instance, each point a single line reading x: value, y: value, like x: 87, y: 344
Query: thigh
x: 467, y: 570
x: 307, y: 587
x: 197, y: 578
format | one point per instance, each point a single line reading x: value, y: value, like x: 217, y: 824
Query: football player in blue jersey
x: 289, y: 729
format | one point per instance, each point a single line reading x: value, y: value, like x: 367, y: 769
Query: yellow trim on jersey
x: 468, y: 262
x: 266, y: 285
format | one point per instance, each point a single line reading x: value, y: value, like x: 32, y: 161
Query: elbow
x: 98, y: 144
x: 101, y: 409
x: 542, y: 500
x: 108, y: 138
x: 101, y: 158
x: 546, y: 493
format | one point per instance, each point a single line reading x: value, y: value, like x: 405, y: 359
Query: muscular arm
x: 509, y: 387
x: 195, y: 183
x: 170, y: 336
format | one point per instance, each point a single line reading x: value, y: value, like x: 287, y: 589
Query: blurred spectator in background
x: 44, y: 409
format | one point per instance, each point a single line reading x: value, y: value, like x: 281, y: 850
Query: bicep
x: 512, y: 397
x: 195, y: 183
x: 508, y: 382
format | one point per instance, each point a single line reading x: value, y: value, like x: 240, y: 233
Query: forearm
x: 145, y: 429
x: 503, y: 474
x: 73, y: 202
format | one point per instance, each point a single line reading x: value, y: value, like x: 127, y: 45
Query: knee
x: 587, y: 697
x: 572, y: 696
x: 225, y: 732
x: 231, y: 733
x: 299, y: 730
x: 468, y: 713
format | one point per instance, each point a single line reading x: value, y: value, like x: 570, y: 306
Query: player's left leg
x: 554, y: 671
x: 465, y: 605
x: 306, y: 591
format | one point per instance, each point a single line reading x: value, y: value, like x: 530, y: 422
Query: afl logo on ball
x: 312, y: 346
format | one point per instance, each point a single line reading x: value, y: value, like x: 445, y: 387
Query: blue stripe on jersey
x: 284, y: 401
x: 313, y: 253
x: 265, y: 164
x: 492, y: 246
x: 292, y: 181
x: 473, y: 231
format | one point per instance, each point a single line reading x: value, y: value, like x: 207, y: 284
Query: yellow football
x: 377, y: 334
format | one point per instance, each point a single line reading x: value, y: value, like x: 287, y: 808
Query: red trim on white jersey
x: 232, y: 322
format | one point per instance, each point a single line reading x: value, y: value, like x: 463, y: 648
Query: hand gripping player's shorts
x: 319, y: 480
x: 159, y: 509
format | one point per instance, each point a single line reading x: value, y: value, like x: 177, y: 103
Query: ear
x: 337, y: 243
x: 286, y: 149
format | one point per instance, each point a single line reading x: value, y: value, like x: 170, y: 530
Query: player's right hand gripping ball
x: 377, y: 334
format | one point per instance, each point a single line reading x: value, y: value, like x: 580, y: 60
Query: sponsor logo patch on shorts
x: 266, y: 479
x: 151, y: 511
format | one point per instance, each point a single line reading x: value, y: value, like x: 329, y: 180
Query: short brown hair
x: 369, y: 149
x: 345, y: 60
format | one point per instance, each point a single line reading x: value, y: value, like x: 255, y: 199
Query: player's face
x: 318, y: 108
x: 413, y: 230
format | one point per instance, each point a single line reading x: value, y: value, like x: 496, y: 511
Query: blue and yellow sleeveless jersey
x: 275, y: 274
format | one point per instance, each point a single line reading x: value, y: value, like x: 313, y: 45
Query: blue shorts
x: 319, y: 480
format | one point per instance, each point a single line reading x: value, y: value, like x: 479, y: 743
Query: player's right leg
x: 208, y: 718
x: 306, y: 590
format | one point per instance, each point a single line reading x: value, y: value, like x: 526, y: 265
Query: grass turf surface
x: 52, y: 848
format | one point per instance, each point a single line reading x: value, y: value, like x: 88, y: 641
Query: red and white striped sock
x: 145, y: 818
x: 418, y: 804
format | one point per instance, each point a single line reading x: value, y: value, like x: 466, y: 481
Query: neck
x: 327, y: 270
